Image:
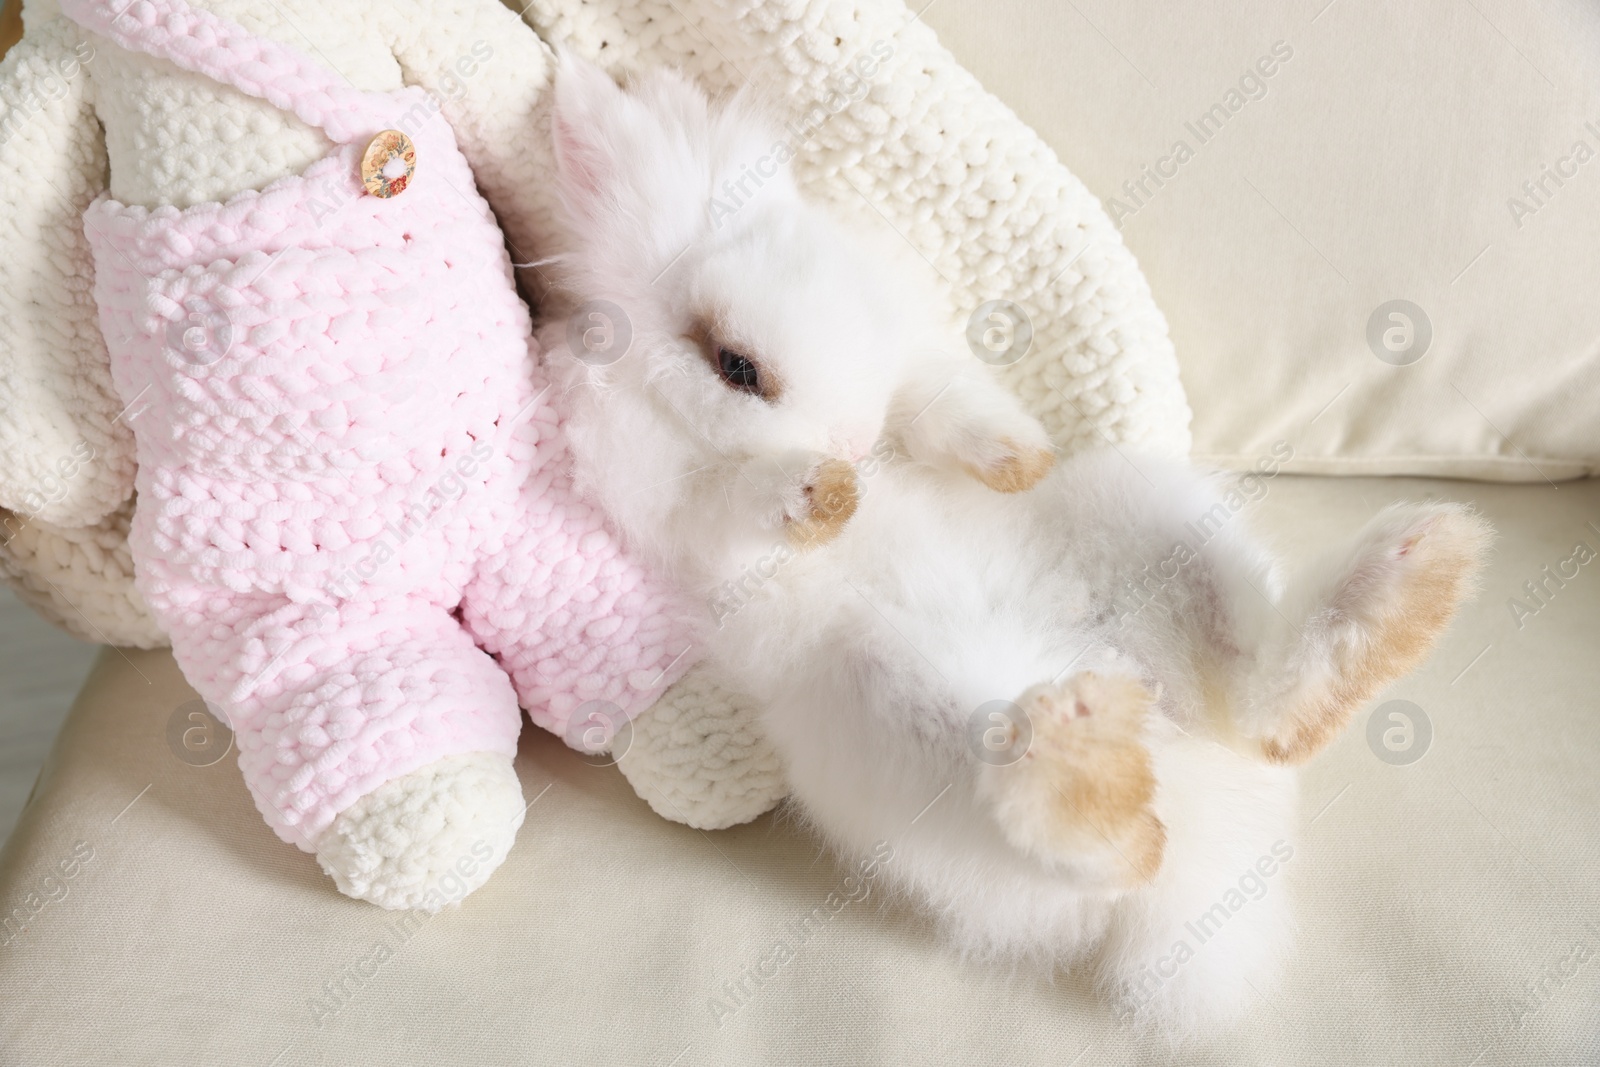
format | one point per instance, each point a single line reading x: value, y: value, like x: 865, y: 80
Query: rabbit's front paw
x: 1081, y: 795
x: 830, y: 500
x: 810, y: 496
x: 1008, y: 466
x: 975, y: 425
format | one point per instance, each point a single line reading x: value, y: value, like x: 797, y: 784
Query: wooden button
x: 384, y: 149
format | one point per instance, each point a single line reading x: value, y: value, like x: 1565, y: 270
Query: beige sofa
x: 1448, y: 908
x: 1445, y: 871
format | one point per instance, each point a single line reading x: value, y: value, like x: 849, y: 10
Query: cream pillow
x: 1374, y: 228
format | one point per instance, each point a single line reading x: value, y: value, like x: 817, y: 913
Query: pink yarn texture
x: 355, y: 517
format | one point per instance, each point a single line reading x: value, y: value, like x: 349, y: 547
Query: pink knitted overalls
x: 355, y: 517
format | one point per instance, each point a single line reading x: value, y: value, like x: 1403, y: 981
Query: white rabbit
x: 885, y: 553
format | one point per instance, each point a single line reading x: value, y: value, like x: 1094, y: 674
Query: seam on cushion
x: 1477, y: 468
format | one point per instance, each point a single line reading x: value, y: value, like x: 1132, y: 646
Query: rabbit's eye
x: 738, y: 371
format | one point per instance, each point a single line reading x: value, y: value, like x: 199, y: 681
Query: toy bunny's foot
x: 1081, y: 797
x: 699, y: 757
x: 428, y: 838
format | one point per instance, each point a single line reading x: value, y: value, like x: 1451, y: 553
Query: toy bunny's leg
x: 1081, y: 796
x: 699, y: 756
x: 1348, y: 629
x: 373, y: 733
x: 589, y: 645
x: 427, y: 838
x: 586, y: 637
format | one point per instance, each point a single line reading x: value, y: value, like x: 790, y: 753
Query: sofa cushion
x: 1371, y: 226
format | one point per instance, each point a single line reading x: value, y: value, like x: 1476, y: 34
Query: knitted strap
x: 201, y: 42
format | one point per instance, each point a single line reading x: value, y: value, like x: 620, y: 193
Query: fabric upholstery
x: 1287, y: 172
x: 1448, y: 908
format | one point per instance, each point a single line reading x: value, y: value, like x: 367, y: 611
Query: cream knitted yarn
x: 428, y: 839
x: 698, y: 757
x: 81, y: 577
x: 66, y: 480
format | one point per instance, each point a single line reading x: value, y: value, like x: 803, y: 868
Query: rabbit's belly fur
x: 872, y: 654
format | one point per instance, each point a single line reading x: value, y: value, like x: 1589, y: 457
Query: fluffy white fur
x: 872, y: 635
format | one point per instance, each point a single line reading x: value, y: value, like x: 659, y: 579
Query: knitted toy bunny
x: 1041, y: 703
x: 352, y: 479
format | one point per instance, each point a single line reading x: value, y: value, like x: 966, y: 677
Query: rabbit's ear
x: 586, y: 103
x: 633, y: 166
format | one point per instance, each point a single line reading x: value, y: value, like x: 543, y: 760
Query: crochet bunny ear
x: 80, y: 578
x: 66, y: 453
x: 66, y: 457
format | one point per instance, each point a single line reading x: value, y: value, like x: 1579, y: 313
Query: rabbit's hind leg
x: 1080, y: 798
x: 1363, y: 624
